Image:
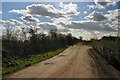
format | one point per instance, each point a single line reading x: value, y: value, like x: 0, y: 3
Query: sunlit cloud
x: 96, y: 16
x: 89, y: 22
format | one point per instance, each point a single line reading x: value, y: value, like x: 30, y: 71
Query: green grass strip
x: 30, y: 61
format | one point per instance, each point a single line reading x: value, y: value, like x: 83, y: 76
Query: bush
x: 109, y: 49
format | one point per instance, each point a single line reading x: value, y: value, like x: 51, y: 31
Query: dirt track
x: 74, y: 62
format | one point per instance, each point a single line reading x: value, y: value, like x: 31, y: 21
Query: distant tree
x: 80, y: 38
x: 53, y: 33
x: 69, y: 39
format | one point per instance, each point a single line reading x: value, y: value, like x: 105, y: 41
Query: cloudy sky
x: 87, y: 19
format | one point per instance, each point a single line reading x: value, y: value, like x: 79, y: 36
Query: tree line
x: 22, y: 48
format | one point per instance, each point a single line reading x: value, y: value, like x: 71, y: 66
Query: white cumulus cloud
x: 96, y: 16
x: 48, y: 10
x: 88, y: 25
x: 103, y: 3
x: 29, y: 19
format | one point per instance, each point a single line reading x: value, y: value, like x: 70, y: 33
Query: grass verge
x: 104, y: 69
x: 30, y: 61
